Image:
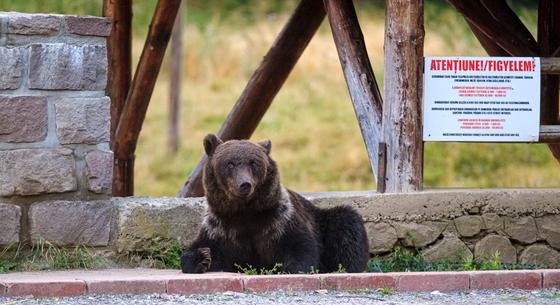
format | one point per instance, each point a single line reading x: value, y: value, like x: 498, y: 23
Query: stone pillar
x: 54, y: 122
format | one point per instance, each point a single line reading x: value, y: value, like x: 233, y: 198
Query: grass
x: 250, y: 270
x: 43, y: 255
x: 316, y: 139
x: 158, y: 252
x: 407, y: 260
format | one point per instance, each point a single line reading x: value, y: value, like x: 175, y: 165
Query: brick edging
x: 110, y: 282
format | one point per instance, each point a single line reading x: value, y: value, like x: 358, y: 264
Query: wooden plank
x: 503, y: 33
x: 550, y: 65
x: 119, y: 46
x: 358, y: 73
x: 402, y: 108
x: 265, y: 82
x: 175, y: 70
x: 134, y: 110
x: 549, y: 134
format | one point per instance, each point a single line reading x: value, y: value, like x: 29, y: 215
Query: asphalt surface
x: 540, y: 297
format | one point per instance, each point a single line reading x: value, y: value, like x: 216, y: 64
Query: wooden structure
x: 391, y: 128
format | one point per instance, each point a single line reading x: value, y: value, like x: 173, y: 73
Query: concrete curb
x: 145, y: 281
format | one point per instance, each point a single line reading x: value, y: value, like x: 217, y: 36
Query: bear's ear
x: 266, y: 144
x: 211, y: 141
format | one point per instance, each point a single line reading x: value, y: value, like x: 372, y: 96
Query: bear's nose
x: 245, y: 187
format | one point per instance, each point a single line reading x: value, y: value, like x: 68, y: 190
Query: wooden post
x: 549, y: 40
x: 358, y: 73
x: 119, y: 53
x: 134, y: 110
x: 382, y: 168
x: 176, y: 64
x: 265, y: 82
x: 402, y: 116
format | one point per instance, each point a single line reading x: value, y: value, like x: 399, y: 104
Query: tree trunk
x: 176, y: 64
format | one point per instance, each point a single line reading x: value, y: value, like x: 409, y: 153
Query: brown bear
x: 252, y: 220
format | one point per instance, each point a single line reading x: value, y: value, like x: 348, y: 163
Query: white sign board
x: 482, y: 99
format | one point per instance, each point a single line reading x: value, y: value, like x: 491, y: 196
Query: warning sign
x: 481, y: 99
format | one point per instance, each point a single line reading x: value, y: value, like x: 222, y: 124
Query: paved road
x: 499, y: 297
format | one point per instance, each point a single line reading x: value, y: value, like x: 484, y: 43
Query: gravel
x: 548, y: 296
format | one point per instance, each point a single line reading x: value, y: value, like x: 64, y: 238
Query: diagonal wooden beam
x: 504, y: 34
x: 138, y: 98
x: 358, y: 73
x: 265, y: 82
x: 503, y: 14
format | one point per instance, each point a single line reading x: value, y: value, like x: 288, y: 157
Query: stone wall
x: 54, y: 124
x: 522, y: 225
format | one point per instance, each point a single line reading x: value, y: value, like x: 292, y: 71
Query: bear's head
x: 239, y: 172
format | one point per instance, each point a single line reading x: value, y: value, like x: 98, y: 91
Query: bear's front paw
x: 205, y: 260
x: 196, y: 260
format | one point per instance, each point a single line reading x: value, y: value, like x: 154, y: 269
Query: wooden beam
x: 402, y: 108
x: 119, y: 53
x: 504, y: 15
x: 382, y: 168
x: 175, y: 71
x: 134, y: 110
x: 549, y: 40
x: 487, y: 42
x: 265, y: 82
x: 500, y: 31
x: 549, y: 134
x: 550, y: 65
x: 360, y: 79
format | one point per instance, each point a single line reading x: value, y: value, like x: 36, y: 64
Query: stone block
x: 32, y: 24
x: 83, y: 120
x: 88, y: 25
x: 450, y: 249
x: 286, y: 282
x: 468, y: 226
x: 52, y: 289
x: 35, y: 171
x: 430, y: 281
x: 486, y: 249
x: 23, y: 119
x: 60, y: 66
x: 145, y: 223
x: 99, y: 171
x: 382, y: 237
x: 549, y: 229
x: 10, y: 225
x: 127, y: 286
x: 521, y: 229
x: 493, y: 222
x: 419, y: 234
x: 72, y: 222
x: 357, y: 281
x: 195, y: 284
x: 11, y: 69
x: 528, y: 280
x: 541, y: 255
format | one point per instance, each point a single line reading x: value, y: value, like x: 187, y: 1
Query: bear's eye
x: 254, y: 164
x: 230, y: 165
